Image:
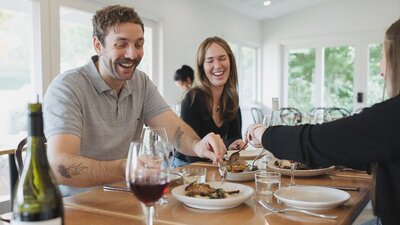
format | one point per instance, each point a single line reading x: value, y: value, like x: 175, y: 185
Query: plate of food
x: 283, y: 166
x: 239, y: 171
x: 311, y: 197
x: 212, y: 195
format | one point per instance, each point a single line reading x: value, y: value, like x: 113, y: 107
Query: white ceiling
x: 256, y: 9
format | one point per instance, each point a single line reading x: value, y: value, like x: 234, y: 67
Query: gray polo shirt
x: 79, y: 102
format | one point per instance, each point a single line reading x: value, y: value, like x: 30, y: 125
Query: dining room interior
x: 311, y: 54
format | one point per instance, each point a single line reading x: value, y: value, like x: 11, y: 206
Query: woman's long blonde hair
x: 229, y: 98
x: 392, y: 80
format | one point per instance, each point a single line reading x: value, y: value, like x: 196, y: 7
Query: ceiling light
x: 267, y: 3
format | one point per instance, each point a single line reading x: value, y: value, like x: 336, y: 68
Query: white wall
x: 185, y: 23
x: 332, y: 20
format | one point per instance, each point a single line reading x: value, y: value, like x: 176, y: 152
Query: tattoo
x: 71, y: 170
x: 178, y: 137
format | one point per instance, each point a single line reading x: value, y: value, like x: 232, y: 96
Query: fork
x: 251, y: 166
x: 222, y: 172
x: 272, y: 209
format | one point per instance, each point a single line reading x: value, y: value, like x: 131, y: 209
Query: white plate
x: 248, y: 154
x: 312, y: 197
x: 242, y: 176
x: 215, y: 204
x: 299, y: 173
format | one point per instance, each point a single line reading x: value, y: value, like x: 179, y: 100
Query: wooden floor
x: 365, y: 216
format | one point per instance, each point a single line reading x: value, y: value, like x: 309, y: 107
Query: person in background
x: 184, y: 77
x: 212, y: 105
x: 93, y: 112
x: 368, y: 140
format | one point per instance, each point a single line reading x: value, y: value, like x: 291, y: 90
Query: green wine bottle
x: 37, y: 199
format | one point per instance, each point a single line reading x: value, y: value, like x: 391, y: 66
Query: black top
x: 198, y: 117
x: 356, y: 141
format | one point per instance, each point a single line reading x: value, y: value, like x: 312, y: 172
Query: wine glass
x: 146, y: 177
x: 155, y: 145
x: 293, y: 166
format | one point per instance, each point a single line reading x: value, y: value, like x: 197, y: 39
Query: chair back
x: 291, y: 116
x: 338, y: 112
x: 257, y: 115
x: 19, y: 161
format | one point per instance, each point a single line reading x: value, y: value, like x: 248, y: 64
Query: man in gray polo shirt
x: 91, y: 113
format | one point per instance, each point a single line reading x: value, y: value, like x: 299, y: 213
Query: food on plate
x: 238, y: 167
x: 285, y: 164
x: 205, y: 190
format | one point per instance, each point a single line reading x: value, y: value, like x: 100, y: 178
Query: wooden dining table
x: 117, y: 207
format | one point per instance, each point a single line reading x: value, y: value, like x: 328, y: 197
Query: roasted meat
x: 199, y: 189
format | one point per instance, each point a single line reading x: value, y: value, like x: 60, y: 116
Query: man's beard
x: 111, y: 66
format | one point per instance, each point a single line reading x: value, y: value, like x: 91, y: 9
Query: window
x: 375, y: 81
x: 146, y: 65
x: 16, y: 77
x: 246, y: 58
x: 246, y: 62
x: 76, y: 42
x: 338, y: 77
x: 320, y: 77
x: 300, y: 80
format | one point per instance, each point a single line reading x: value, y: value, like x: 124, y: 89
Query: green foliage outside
x: 375, y: 81
x: 339, y: 77
x: 15, y: 49
x: 301, y: 73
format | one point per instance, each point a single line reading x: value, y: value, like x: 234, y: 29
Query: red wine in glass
x: 148, y: 190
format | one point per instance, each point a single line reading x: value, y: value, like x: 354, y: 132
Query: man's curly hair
x: 110, y: 16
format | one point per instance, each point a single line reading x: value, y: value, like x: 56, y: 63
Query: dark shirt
x: 199, y: 118
x: 356, y: 141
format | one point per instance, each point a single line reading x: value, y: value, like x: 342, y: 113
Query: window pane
x: 339, y: 76
x: 247, y: 74
x: 375, y: 81
x: 16, y: 76
x: 76, y: 42
x: 300, y: 80
x: 147, y: 60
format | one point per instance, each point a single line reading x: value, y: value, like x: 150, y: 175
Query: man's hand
x: 211, y: 146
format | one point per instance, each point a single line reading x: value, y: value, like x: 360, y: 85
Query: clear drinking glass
x: 293, y: 166
x: 147, y: 178
x: 155, y: 145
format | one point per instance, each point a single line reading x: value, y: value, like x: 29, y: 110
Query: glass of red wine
x: 147, y: 178
x: 156, y: 146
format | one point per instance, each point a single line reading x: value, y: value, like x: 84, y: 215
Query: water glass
x: 267, y: 182
x: 191, y: 175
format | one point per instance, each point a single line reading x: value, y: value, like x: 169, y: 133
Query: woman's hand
x: 254, y: 134
x: 239, y: 144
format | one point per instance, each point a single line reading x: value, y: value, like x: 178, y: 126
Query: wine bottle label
x: 56, y: 221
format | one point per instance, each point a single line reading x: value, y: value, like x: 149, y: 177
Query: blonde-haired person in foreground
x: 369, y: 140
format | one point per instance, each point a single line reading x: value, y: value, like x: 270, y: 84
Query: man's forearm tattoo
x: 178, y: 138
x: 71, y: 170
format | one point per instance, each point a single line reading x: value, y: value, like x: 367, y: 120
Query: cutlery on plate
x: 115, y: 188
x: 272, y: 209
x: 344, y: 188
